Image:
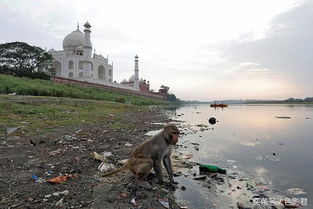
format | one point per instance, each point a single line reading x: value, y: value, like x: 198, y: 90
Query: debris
x: 122, y: 162
x: 38, y: 179
x: 188, y: 156
x: 201, y: 177
x: 55, y: 152
x: 60, y: 179
x: 32, y: 142
x: 211, y: 169
x: 280, y: 143
x: 295, y: 191
x: 212, y: 120
x: 56, y: 194
x: 164, y: 203
x: 98, y: 156
x: 69, y: 138
x: 128, y: 145
x: 231, y: 161
x: 105, y: 166
x: 234, y: 166
x: 183, y: 188
x: 13, y: 129
x: 60, y: 202
x: 133, y: 201
x: 48, y: 195
x: 12, y: 94
x: 49, y: 173
x: 283, y: 117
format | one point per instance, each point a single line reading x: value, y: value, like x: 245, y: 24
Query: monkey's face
x: 171, y: 134
x: 175, y: 137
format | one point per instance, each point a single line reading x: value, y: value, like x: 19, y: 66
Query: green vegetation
x: 23, y: 60
x: 37, y: 87
x: 43, y: 114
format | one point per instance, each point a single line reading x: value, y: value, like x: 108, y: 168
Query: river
x: 271, y: 144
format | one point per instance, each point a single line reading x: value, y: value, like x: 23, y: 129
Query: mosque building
x: 77, y: 62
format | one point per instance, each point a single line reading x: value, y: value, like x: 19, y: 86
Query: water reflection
x: 273, y: 150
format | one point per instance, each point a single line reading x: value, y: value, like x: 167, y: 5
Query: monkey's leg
x: 141, y: 168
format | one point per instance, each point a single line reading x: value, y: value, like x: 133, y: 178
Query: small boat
x: 218, y: 105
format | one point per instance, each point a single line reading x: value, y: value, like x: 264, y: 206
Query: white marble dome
x: 74, y: 39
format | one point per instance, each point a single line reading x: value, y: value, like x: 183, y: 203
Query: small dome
x: 80, y: 48
x: 51, y: 50
x: 132, y: 78
x: 74, y: 39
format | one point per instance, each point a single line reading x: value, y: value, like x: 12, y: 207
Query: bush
x: 120, y: 100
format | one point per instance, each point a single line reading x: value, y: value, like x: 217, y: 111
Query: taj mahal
x: 76, y: 61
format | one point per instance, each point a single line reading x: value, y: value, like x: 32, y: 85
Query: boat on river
x: 219, y: 105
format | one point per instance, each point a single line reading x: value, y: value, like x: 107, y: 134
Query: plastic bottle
x: 211, y: 169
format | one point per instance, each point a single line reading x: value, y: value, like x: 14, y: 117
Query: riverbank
x: 31, y: 154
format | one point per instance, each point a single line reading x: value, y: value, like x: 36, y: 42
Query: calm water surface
x: 251, y: 138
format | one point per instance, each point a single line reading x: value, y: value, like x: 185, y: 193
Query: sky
x: 202, y: 49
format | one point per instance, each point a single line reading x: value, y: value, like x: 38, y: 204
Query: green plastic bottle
x: 211, y: 169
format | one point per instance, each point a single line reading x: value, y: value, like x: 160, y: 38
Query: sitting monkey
x: 150, y: 154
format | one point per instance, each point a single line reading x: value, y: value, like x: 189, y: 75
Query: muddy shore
x: 26, y: 163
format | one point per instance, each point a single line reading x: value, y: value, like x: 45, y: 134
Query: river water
x: 271, y: 143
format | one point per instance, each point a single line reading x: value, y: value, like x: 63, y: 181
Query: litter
x: 201, y: 177
x: 295, y: 191
x: 38, y: 179
x: 98, y: 156
x: 55, y: 152
x: 211, y: 169
x: 128, y: 145
x: 164, y: 203
x: 105, y: 167
x: 60, y: 179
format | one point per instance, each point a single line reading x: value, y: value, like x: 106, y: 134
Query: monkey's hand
x: 170, y: 186
x: 174, y: 182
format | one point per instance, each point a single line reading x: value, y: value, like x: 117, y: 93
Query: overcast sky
x: 203, y: 50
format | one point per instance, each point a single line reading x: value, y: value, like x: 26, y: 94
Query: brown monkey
x: 150, y: 154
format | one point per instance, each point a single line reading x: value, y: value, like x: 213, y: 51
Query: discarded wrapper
x: 98, y: 156
x: 60, y: 179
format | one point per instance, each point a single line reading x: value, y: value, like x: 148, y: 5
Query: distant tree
x: 171, y: 97
x: 308, y: 99
x: 164, y: 89
x: 22, y: 60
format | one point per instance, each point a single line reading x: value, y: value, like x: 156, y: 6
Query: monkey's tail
x: 124, y: 167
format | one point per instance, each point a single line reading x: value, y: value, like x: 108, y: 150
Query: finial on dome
x: 87, y: 25
x: 77, y: 25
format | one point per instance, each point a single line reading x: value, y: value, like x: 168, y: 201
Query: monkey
x: 150, y: 154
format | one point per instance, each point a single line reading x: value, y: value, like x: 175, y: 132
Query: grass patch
x: 37, y: 87
x: 43, y: 114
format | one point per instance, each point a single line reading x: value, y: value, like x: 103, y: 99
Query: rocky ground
x: 26, y: 163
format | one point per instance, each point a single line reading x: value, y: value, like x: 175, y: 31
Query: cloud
x: 286, y: 50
